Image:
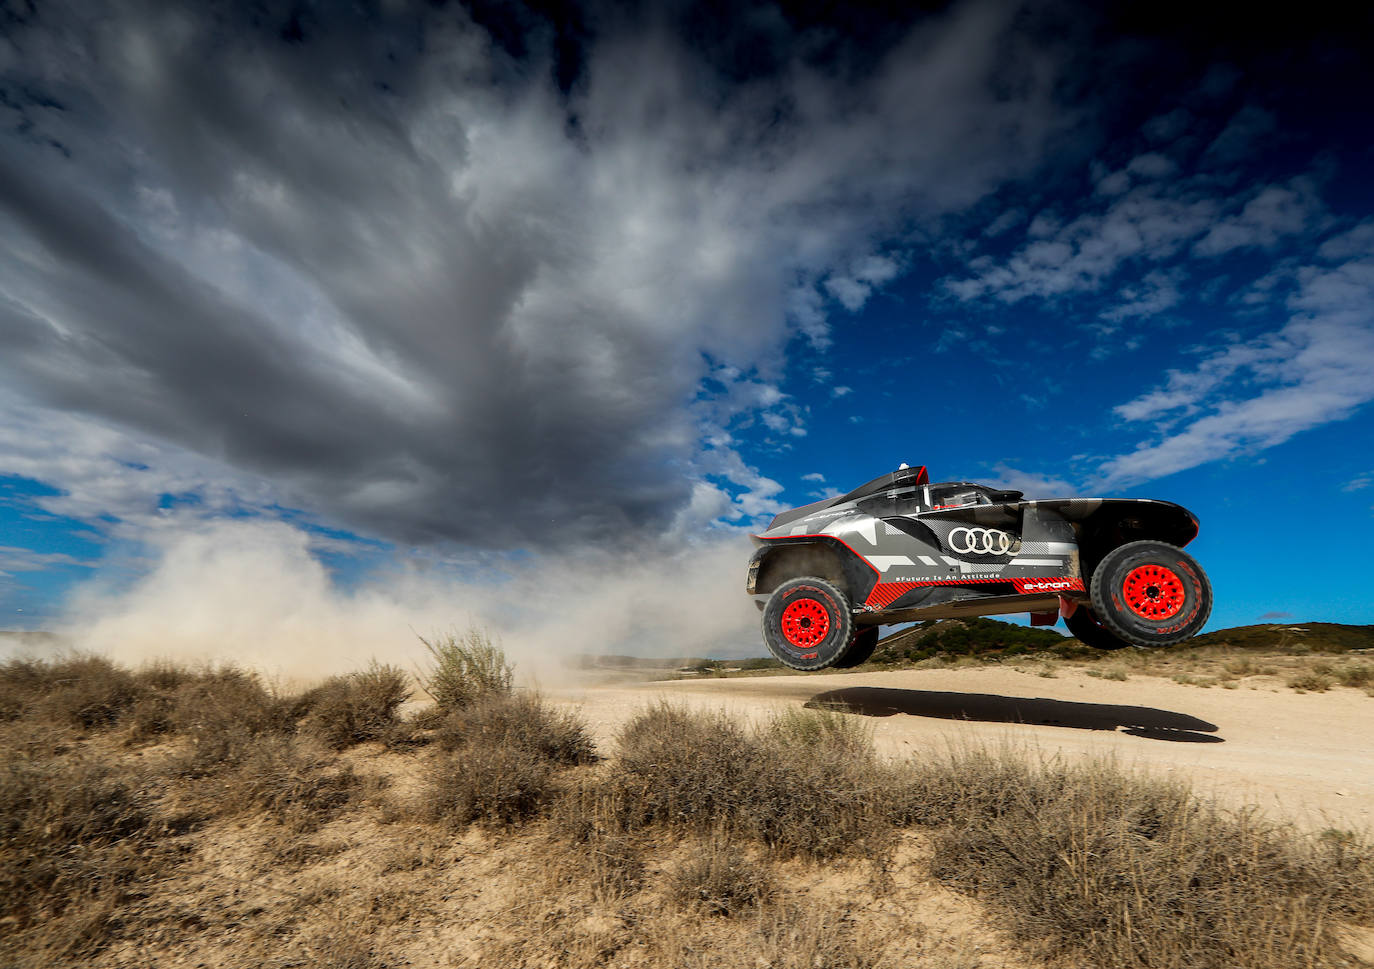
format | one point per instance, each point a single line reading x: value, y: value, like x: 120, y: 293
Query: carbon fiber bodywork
x: 903, y: 549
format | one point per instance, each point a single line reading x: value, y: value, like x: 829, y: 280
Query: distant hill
x: 989, y: 637
x: 1320, y: 637
x: 30, y: 640
x: 968, y: 637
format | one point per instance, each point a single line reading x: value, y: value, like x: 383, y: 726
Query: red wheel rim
x: 805, y: 623
x: 1153, y: 592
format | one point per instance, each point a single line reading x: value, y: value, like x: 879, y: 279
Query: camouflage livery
x: 899, y: 549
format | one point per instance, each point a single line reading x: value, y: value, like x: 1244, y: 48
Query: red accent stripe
x: 886, y: 593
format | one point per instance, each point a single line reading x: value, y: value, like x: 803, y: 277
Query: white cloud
x: 1259, y: 393
x: 1151, y: 165
x: 1156, y: 292
x: 1142, y: 228
x: 26, y: 560
x: 841, y: 391
x: 1005, y: 222
x: 815, y: 476
x: 1034, y: 485
x: 1149, y: 223
x: 854, y: 287
x: 1274, y: 214
x: 1357, y: 241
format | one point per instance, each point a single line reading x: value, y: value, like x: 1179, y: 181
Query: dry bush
x: 796, y: 936
x: 590, y: 849
x: 789, y: 934
x: 467, y: 668
x: 225, y: 714
x: 825, y: 727
x: 85, y: 692
x: 521, y: 720
x: 1310, y: 682
x: 73, y: 837
x: 358, y: 707
x: 695, y: 770
x: 499, y: 759
x: 721, y: 879
x: 1355, y: 676
x: 165, y: 675
x: 276, y: 776
x: 1131, y: 871
x: 496, y: 786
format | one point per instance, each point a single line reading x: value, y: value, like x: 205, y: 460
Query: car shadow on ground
x: 873, y: 701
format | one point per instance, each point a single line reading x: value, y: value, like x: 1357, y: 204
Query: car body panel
x: 906, y: 549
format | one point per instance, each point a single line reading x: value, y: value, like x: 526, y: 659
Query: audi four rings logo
x: 981, y: 541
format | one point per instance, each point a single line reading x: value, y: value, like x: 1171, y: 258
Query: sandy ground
x: 1308, y: 757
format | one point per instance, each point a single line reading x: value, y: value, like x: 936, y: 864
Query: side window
x: 957, y: 496
x: 901, y: 501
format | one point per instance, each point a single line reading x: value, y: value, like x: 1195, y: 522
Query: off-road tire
x: 1150, y: 594
x: 807, y: 624
x: 1088, y: 631
x: 860, y: 650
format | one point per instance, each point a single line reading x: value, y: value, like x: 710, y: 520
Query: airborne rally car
x: 900, y: 549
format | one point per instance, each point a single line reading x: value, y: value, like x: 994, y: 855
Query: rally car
x: 899, y: 549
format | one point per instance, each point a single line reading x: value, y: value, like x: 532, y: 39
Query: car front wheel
x: 807, y: 623
x: 1151, y: 594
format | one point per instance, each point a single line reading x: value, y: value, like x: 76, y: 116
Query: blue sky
x: 476, y: 289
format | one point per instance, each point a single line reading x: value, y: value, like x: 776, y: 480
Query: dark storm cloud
x: 437, y: 286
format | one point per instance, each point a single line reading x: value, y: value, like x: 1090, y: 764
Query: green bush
x: 466, y: 668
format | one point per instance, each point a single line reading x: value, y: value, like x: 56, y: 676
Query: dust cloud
x: 254, y: 594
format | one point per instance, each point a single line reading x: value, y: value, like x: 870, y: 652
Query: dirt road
x: 1303, y: 757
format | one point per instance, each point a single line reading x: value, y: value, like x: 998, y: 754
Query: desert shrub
x: 225, y: 713
x: 291, y: 784
x: 496, y: 786
x: 1356, y: 676
x: 1310, y: 682
x: 694, y: 770
x: 152, y: 716
x: 498, y: 760
x: 359, y: 707
x: 466, y: 668
x: 793, y: 935
x: 828, y: 728
x: 73, y: 836
x: 522, y: 720
x: 87, y: 692
x: 721, y: 879
x: 165, y: 675
x: 1127, y: 870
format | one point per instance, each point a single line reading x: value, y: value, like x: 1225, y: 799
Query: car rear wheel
x: 861, y: 647
x: 807, y: 624
x: 1088, y: 631
x: 1151, y: 594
